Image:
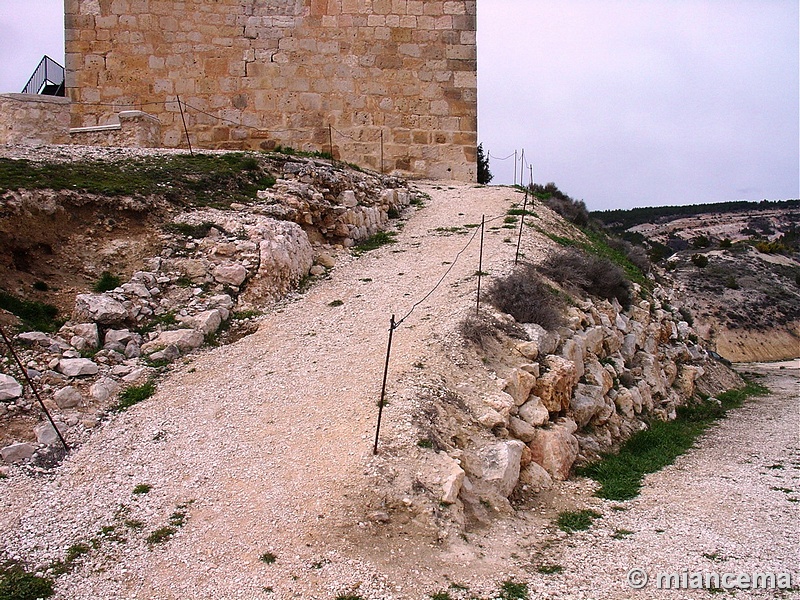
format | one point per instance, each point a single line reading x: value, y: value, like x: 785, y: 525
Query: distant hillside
x: 622, y: 219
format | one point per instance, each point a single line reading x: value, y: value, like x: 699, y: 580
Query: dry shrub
x: 526, y: 297
x: 482, y: 328
x: 594, y: 275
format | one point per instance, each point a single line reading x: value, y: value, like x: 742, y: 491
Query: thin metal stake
x: 480, y: 267
x: 185, y: 129
x: 330, y: 138
x: 521, y: 223
x: 383, y: 389
x: 33, y: 387
x: 515, y: 167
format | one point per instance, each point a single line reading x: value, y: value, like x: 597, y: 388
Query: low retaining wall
x: 36, y: 119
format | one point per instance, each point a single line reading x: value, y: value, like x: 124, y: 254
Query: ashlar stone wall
x: 387, y: 84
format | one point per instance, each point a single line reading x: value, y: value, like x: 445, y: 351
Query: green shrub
x: 268, y: 558
x: 107, y: 282
x: 512, y: 590
x: 142, y: 488
x: 161, y: 535
x: 382, y: 238
x: 571, y: 521
x: 484, y: 174
x: 40, y: 286
x: 34, y: 315
x: 134, y: 395
x: 16, y: 584
x: 700, y: 260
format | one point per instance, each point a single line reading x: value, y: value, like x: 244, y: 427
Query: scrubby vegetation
x: 525, y: 296
x: 34, y: 315
x: 593, y: 275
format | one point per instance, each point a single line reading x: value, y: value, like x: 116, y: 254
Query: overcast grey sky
x: 621, y: 103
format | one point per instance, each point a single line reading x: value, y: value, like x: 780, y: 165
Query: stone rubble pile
x: 576, y: 392
x: 242, y: 259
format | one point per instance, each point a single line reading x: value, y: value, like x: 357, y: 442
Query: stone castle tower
x: 375, y: 81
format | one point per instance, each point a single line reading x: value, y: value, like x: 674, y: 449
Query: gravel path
x: 264, y: 447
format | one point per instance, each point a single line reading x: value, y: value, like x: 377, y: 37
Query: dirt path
x: 265, y: 445
x: 268, y: 438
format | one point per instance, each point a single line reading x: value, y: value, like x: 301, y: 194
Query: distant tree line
x: 622, y: 219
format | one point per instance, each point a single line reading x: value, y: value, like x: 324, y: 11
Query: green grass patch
x: 107, y: 282
x: 202, y: 179
x: 142, y: 488
x: 134, y: 395
x: 335, y: 303
x: 576, y: 520
x: 34, y: 315
x: 17, y: 584
x: 441, y: 596
x: 513, y: 590
x: 382, y: 238
x: 188, y: 230
x: 620, y: 475
x: 268, y: 558
x: 550, y: 569
x: 161, y: 535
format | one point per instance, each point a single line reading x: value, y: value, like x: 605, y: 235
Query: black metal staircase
x: 47, y: 79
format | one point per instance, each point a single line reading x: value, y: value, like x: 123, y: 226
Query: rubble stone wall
x: 387, y: 84
x: 33, y: 119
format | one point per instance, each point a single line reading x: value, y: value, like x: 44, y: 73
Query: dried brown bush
x: 526, y: 297
x: 594, y: 275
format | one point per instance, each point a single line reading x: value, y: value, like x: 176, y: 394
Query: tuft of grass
x: 34, y: 315
x: 134, y: 395
x: 40, y: 286
x: 349, y: 597
x: 107, y: 282
x: 512, y: 590
x: 425, y: 443
x: 441, y: 596
x: 161, y: 535
x: 17, y: 584
x: 142, y: 488
x: 268, y: 558
x: 620, y: 534
x: 550, y: 569
x: 576, y: 520
x: 335, y: 303
x: 134, y: 524
x: 382, y: 238
x: 620, y: 475
x: 76, y: 550
x: 188, y: 230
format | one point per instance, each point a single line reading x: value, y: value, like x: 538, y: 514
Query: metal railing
x: 48, y: 79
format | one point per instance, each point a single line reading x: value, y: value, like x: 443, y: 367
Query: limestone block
x: 183, y: 339
x: 10, y: 389
x: 586, y: 403
x: 534, y: 412
x: 556, y: 448
x: 519, y: 384
x: 68, y: 397
x: 500, y: 465
x: 555, y: 386
x: 99, y: 308
x: 77, y: 367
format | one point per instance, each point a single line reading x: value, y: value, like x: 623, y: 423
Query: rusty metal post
x: 392, y: 327
x: 521, y: 223
x: 33, y: 387
x: 480, y: 266
x: 185, y: 129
